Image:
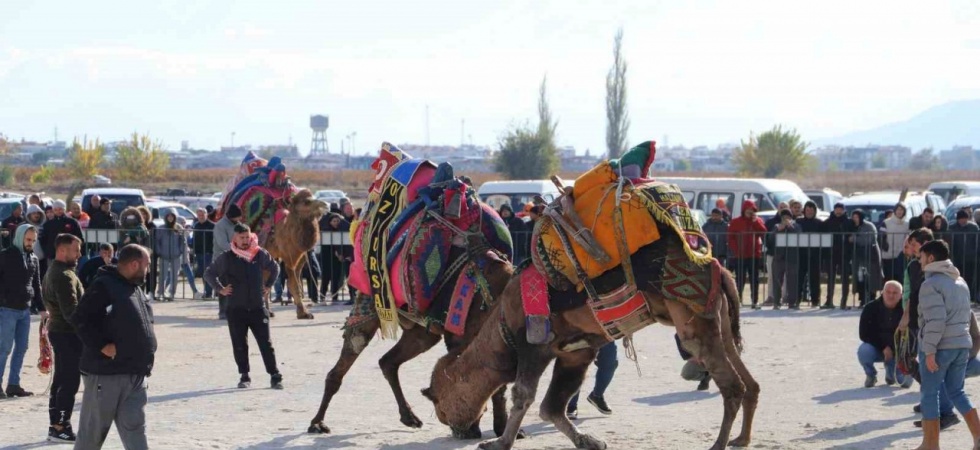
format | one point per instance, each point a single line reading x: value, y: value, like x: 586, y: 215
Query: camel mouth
x: 466, y: 433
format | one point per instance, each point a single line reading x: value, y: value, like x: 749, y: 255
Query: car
x: 101, y: 180
x: 330, y: 195
x: 767, y: 193
x: 951, y: 190
x: 7, y: 206
x: 825, y: 198
x: 157, y: 206
x: 969, y: 201
x: 121, y: 198
x: 874, y: 204
x: 517, y: 193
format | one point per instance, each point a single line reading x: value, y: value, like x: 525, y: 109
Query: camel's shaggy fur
x: 291, y: 239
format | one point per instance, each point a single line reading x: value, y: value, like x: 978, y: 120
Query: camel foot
x: 589, y: 442
x: 495, y: 444
x: 473, y: 432
x: 521, y: 434
x: 410, y: 420
x: 741, y: 441
x: 318, y: 428
x: 304, y: 316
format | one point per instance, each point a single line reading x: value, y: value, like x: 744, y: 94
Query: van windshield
x: 119, y: 202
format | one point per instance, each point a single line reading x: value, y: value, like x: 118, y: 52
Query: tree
x: 43, y: 175
x: 141, y: 158
x: 682, y: 165
x: 526, y: 154
x: 85, y: 158
x: 617, y: 118
x: 546, y: 124
x: 4, y: 144
x: 772, y: 153
x: 924, y: 159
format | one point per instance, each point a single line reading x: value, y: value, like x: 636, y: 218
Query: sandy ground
x: 812, y: 394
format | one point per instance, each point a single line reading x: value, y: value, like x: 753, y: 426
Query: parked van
x: 516, y: 193
x: 825, y: 198
x: 121, y: 198
x: 703, y: 193
x: 949, y: 190
x: 874, y: 204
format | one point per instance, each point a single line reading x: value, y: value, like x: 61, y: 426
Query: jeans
x: 185, y: 266
x: 203, y: 261
x: 868, y: 355
x: 607, y: 362
x: 15, y: 330
x: 169, y: 270
x: 950, y: 377
x: 240, y: 321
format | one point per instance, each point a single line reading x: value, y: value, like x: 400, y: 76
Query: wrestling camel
x: 292, y: 238
x: 462, y: 381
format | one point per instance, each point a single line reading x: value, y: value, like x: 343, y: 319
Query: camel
x: 414, y: 341
x: 462, y: 381
x: 292, y: 238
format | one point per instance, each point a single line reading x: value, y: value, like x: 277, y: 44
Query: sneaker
x: 14, y: 390
x: 572, y: 415
x: 917, y: 409
x: 870, y: 381
x: 889, y: 380
x: 64, y: 436
x: 827, y: 306
x: 245, y: 382
x: 277, y: 381
x: 776, y: 307
x: 198, y: 296
x: 756, y: 307
x: 907, y: 383
x: 600, y: 404
x: 705, y: 383
x: 944, y: 422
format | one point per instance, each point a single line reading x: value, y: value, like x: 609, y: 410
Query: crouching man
x: 879, y: 320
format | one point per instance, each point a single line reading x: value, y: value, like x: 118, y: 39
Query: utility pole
x: 233, y: 140
x: 427, y: 125
x: 462, y: 132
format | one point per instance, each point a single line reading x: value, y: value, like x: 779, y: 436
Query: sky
x: 699, y: 72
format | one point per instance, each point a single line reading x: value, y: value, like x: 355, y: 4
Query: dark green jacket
x: 60, y: 292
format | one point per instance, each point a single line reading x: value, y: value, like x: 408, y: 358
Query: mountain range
x: 940, y: 127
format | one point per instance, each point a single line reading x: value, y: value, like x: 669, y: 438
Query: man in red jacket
x: 745, y: 248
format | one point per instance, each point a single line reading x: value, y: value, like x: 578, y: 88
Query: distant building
x: 960, y: 158
x: 857, y: 159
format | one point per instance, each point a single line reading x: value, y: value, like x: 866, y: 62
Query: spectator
x: 888, y: 214
x: 48, y: 213
x: 35, y: 199
x: 35, y: 217
x: 693, y: 369
x: 185, y: 259
x: 606, y: 363
x: 796, y: 208
x: 722, y: 206
x: 879, y: 320
x: 93, y: 206
x: 518, y: 231
x: 58, y: 224
x: 944, y: 341
x: 9, y: 225
x: 336, y: 258
x: 223, y: 232
x: 102, y: 217
x: 60, y: 291
x: 203, y: 238
x: 785, y: 264
x: 20, y: 291
x: 716, y: 228
x: 923, y: 220
x: 75, y: 212
x: 976, y: 216
x: 745, y: 248
x: 940, y: 229
x: 810, y: 256
x: 913, y: 282
x: 867, y: 258
x: 171, y: 245
x: 237, y: 275
x: 89, y: 270
x: 895, y: 229
x: 117, y: 352
x: 963, y: 234
x: 347, y: 210
x: 134, y: 230
x: 771, y: 252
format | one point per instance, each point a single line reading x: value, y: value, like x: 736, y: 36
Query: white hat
x: 58, y: 204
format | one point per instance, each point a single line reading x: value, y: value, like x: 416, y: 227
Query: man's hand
x: 889, y: 354
x: 109, y: 350
x: 850, y: 239
x: 265, y: 292
x: 931, y: 363
x: 225, y: 291
x: 904, y: 323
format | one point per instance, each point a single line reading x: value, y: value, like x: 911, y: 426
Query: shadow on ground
x: 676, y: 397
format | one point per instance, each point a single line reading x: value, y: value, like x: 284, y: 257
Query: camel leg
x: 751, y: 399
x: 704, y: 337
x: 499, y: 403
x: 413, y: 342
x: 532, y: 362
x: 295, y: 274
x: 568, y: 375
x: 355, y: 341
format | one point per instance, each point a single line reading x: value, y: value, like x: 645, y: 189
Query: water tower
x: 319, y: 124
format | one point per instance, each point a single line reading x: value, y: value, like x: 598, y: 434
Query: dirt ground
x: 812, y: 392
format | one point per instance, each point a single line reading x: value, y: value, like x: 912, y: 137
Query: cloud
x: 247, y: 32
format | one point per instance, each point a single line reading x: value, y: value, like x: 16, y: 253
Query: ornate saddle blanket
x: 259, y: 189
x: 415, y: 215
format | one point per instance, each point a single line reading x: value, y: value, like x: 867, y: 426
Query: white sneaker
x: 198, y: 296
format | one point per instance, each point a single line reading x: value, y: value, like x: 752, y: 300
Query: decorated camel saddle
x: 587, y: 241
x: 261, y: 190
x: 415, y: 237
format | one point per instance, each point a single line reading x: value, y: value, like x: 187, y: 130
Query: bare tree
x: 618, y: 121
x: 546, y: 123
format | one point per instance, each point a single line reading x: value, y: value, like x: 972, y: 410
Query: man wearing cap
x: 103, y: 218
x: 60, y: 223
x: 224, y: 231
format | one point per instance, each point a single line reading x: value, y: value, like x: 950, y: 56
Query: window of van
x: 119, y: 202
x: 707, y: 200
x: 784, y: 196
x: 761, y: 201
x: 516, y: 201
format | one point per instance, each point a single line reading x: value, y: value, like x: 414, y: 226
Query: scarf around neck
x: 253, y: 248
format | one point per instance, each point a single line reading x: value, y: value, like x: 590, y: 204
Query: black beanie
x: 962, y: 215
x: 234, y: 211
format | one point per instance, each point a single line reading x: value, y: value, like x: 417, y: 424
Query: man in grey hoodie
x: 170, y: 244
x: 944, y: 341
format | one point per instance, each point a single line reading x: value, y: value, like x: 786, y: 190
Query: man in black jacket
x: 238, y: 275
x: 89, y: 270
x: 879, y: 320
x: 9, y: 225
x: 103, y: 218
x: 20, y: 289
x: 836, y: 260
x: 203, y: 243
x: 59, y: 224
x: 810, y: 256
x: 923, y: 220
x: 115, y: 323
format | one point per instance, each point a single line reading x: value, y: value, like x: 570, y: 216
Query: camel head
x: 305, y: 206
x: 447, y: 392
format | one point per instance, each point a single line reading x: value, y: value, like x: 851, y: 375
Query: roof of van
x: 113, y: 191
x: 767, y: 183
x: 943, y: 184
x: 517, y: 187
x: 878, y: 198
